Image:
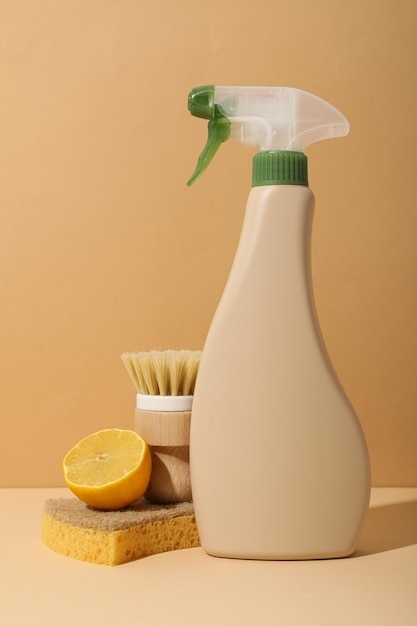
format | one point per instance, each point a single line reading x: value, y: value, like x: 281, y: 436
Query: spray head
x: 271, y: 119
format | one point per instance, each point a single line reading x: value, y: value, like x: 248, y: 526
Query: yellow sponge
x: 113, y: 537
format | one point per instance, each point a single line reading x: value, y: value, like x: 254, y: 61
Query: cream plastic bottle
x: 279, y: 464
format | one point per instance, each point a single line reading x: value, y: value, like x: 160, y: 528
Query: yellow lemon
x: 108, y: 469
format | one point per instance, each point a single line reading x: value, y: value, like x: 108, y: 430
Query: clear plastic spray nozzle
x: 268, y: 118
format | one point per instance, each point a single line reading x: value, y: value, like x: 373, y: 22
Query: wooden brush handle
x: 168, y: 437
x: 163, y: 428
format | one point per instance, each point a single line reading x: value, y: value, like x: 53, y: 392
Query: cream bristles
x: 166, y: 373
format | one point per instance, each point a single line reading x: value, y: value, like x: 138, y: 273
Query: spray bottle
x: 279, y: 463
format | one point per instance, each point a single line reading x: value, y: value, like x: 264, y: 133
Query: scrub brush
x: 164, y: 382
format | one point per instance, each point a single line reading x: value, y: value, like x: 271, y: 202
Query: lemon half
x: 109, y: 469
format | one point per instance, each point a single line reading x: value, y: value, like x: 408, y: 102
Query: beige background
x: 104, y: 249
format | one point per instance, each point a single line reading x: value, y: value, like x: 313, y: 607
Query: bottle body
x: 279, y: 464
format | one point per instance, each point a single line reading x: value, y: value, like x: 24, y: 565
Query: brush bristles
x: 167, y: 373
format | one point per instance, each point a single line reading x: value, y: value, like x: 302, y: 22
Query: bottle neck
x: 279, y: 168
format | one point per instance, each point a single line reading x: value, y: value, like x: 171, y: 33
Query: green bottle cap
x: 279, y: 167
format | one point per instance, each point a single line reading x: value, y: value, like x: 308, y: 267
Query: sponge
x: 73, y: 529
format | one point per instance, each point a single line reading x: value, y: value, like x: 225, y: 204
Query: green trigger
x: 218, y: 132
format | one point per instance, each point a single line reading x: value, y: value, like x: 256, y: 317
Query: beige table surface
x: 375, y: 587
